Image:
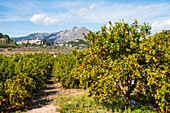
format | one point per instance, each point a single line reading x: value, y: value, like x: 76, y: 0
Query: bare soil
x: 43, y: 100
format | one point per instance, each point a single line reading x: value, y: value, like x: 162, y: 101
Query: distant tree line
x: 44, y: 41
x: 79, y: 41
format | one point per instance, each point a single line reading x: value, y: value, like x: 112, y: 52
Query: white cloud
x: 84, y: 11
x: 15, y: 18
x: 92, y: 6
x: 157, y: 26
x: 43, y: 19
x: 143, y: 8
x: 61, y: 23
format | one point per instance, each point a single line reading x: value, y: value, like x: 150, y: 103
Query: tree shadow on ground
x: 41, y: 98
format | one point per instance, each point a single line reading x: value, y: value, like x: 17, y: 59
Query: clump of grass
x: 46, y: 100
x: 81, y: 103
x: 78, y: 103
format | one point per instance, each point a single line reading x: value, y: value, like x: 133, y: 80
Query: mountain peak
x: 75, y: 27
x: 62, y: 36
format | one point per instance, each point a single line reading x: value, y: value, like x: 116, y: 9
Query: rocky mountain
x: 62, y: 36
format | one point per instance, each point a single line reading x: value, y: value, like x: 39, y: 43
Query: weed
x: 81, y: 103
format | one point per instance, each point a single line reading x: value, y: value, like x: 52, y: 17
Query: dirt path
x: 43, y: 99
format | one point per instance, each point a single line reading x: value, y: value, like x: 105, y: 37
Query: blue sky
x: 22, y: 17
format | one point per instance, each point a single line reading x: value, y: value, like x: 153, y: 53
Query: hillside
x: 5, y: 41
x: 62, y: 36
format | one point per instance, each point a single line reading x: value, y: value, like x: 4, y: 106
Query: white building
x: 38, y: 42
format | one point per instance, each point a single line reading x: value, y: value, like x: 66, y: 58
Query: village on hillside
x: 10, y: 47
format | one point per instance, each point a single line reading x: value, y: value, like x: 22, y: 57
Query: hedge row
x: 21, y: 76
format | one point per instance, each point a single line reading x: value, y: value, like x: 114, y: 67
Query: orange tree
x: 154, y: 58
x: 21, y: 76
x: 62, y: 70
x: 115, y: 66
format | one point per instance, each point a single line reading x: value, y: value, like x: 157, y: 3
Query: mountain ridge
x: 61, y: 36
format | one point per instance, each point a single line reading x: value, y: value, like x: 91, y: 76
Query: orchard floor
x: 43, y: 102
